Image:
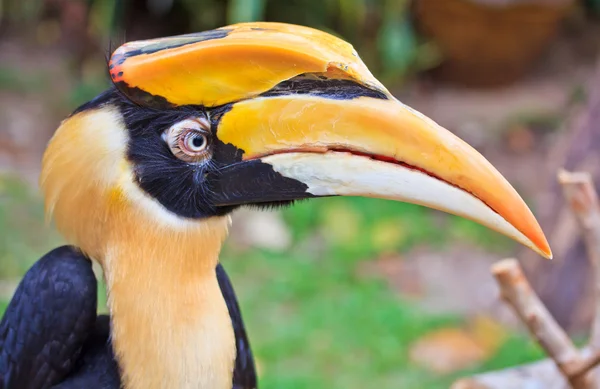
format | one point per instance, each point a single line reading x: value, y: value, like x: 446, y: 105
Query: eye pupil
x: 198, y: 141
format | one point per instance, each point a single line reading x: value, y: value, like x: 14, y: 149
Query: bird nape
x: 143, y: 178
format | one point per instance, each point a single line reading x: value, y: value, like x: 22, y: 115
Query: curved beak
x: 297, y: 114
x: 368, y: 147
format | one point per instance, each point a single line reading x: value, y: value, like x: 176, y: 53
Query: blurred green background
x: 340, y: 292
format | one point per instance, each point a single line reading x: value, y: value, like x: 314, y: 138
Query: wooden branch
x: 590, y: 362
x: 542, y: 374
x: 567, y: 366
x: 517, y: 292
x: 581, y: 196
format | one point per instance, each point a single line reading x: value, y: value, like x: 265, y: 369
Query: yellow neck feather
x: 171, y: 327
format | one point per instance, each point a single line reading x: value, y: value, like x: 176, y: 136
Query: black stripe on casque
x: 172, y: 42
x: 143, y: 98
x: 304, y: 84
x: 322, y: 86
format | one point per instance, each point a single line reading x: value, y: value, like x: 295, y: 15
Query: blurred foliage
x: 22, y: 11
x: 245, y: 10
x: 24, y: 234
x: 22, y: 231
x: 15, y: 81
x: 594, y: 5
x: 357, y: 228
x: 380, y: 30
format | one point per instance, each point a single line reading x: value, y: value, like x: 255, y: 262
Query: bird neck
x: 170, y: 324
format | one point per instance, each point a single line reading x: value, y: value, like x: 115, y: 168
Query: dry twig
x: 567, y: 366
x: 517, y: 292
x: 581, y: 196
x: 541, y: 374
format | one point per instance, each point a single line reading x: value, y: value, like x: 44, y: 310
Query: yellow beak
x: 296, y: 114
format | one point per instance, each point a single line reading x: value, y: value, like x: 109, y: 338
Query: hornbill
x: 143, y: 178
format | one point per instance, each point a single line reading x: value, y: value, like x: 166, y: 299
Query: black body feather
x: 244, y: 373
x: 51, y: 336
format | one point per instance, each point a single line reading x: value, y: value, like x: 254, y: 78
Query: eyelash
x: 177, y: 138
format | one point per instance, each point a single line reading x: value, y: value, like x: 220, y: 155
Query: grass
x: 315, y: 323
x: 23, y: 234
x: 313, y: 320
x: 13, y: 80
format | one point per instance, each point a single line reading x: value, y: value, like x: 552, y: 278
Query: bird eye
x: 192, y: 142
x: 188, y: 139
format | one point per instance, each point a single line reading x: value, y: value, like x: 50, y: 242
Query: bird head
x: 257, y: 114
